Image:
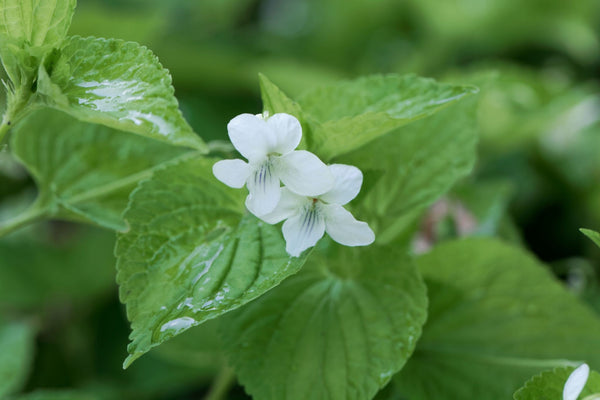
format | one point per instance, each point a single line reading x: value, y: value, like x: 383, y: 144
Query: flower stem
x: 221, y: 384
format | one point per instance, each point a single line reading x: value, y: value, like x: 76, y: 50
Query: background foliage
x: 534, y: 184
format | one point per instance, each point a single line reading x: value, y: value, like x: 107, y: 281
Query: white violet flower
x: 268, y: 144
x: 576, y: 382
x: 309, y: 217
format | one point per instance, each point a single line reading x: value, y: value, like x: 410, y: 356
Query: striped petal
x: 263, y: 185
x: 303, y: 231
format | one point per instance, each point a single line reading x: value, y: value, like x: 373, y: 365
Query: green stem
x: 221, y: 384
x: 4, y: 128
x: 17, y: 108
x: 33, y: 214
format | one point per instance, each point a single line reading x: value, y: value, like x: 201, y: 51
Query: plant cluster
x: 429, y: 294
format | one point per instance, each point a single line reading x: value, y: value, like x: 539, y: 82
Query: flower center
x: 263, y: 173
x: 264, y: 115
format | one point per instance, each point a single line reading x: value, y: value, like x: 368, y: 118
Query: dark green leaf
x: 16, y: 355
x: 593, y: 235
x: 55, y: 395
x: 42, y: 272
x: 338, y: 330
x: 496, y: 317
x: 189, y: 254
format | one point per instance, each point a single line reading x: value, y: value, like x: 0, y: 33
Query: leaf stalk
x: 33, y: 214
x: 221, y: 384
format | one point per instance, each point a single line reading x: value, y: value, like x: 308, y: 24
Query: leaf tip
x: 130, y: 359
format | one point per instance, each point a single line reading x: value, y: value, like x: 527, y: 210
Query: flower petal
x: 233, y: 173
x: 289, y: 204
x: 576, y: 382
x: 303, y: 230
x: 346, y: 186
x: 250, y: 136
x: 287, y: 132
x: 303, y: 173
x: 344, y: 229
x: 263, y: 185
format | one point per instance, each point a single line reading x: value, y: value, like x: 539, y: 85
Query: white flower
x: 309, y: 217
x: 268, y: 144
x: 576, y: 382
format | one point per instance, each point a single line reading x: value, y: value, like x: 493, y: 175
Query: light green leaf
x: 351, y: 114
x: 84, y: 172
x: 276, y: 101
x: 419, y: 163
x: 36, y: 22
x: 190, y: 255
x: 29, y: 268
x: 29, y: 30
x: 19, y: 64
x: 118, y: 84
x: 496, y: 317
x: 593, y: 235
x: 338, y: 330
x: 16, y: 356
x: 549, y: 385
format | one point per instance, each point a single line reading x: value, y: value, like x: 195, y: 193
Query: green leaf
x: 419, y: 163
x: 36, y: 22
x: 84, y: 172
x: 55, y: 395
x: 118, y: 84
x: 351, y: 114
x: 496, y: 317
x: 16, y: 356
x: 338, y: 330
x: 190, y: 255
x: 19, y: 64
x: 30, y: 267
x: 276, y: 101
x: 593, y: 235
x: 29, y: 30
x: 549, y: 385
x: 340, y: 118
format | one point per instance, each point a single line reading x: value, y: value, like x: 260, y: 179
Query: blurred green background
x: 537, y: 63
